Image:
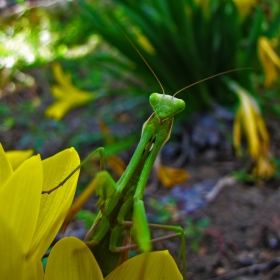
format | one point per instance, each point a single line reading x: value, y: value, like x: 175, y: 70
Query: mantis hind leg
x: 123, y: 224
x: 179, y: 232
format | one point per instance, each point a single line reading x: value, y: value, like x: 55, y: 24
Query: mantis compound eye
x: 154, y: 98
x: 180, y: 105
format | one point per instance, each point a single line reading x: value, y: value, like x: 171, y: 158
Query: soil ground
x: 243, y: 238
x: 248, y: 221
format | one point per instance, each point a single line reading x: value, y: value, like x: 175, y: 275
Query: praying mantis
x: 122, y: 207
x: 122, y: 215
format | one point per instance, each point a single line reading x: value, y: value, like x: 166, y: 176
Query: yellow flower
x: 269, y: 60
x: 16, y: 158
x: 67, y: 95
x: 30, y: 220
x: 71, y: 258
x: 248, y: 120
x: 244, y: 7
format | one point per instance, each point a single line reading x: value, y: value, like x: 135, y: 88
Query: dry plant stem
x: 272, y: 273
x: 223, y: 182
x: 216, y: 234
x: 250, y: 270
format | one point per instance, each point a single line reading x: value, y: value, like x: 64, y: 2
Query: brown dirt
x: 246, y: 219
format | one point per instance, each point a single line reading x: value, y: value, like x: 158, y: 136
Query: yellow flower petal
x: 71, y: 259
x: 6, y: 170
x: 171, y: 176
x: 11, y: 253
x: 58, y: 91
x: 40, y: 270
x: 33, y: 269
x: 57, y: 110
x: 237, y: 133
x: 60, y: 76
x: 54, y: 206
x: 20, y: 199
x: 70, y: 98
x: 16, y: 158
x: 67, y: 95
x: 153, y: 266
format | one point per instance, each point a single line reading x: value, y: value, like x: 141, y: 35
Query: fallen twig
x: 218, y: 235
x: 250, y: 270
x: 225, y: 181
x: 271, y: 274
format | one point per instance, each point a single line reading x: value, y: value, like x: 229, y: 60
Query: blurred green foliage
x: 38, y: 36
x: 183, y: 42
x: 30, y: 40
x: 163, y: 212
x: 87, y: 216
x: 195, y: 231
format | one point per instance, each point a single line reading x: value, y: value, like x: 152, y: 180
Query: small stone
x: 245, y: 258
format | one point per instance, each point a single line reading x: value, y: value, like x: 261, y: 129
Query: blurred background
x: 70, y: 77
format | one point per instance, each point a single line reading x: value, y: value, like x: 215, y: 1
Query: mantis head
x: 166, y: 106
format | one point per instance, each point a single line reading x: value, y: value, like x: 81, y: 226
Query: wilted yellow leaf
x: 269, y: 60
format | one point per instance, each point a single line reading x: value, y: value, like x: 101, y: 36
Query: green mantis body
x: 123, y: 208
x: 122, y: 216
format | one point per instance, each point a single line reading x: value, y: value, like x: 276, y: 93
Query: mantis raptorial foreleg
x: 102, y: 167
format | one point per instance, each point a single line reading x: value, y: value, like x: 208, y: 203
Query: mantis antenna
x: 141, y: 57
x: 208, y: 78
x: 222, y: 73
